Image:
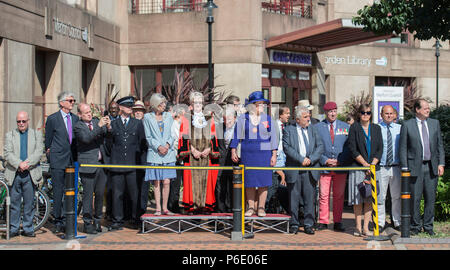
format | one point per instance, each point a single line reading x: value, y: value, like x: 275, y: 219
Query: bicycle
x: 41, y: 202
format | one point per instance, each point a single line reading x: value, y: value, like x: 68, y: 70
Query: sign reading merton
x: 290, y: 58
x: 66, y: 29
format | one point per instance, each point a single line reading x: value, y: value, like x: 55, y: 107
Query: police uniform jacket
x: 125, y: 143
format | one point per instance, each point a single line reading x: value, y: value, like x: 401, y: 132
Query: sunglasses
x: 367, y: 113
x: 22, y: 121
x: 71, y: 100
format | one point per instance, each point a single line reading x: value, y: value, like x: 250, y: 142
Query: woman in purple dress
x: 257, y: 134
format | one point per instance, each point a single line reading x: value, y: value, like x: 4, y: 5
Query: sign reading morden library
x: 66, y: 29
x: 290, y: 58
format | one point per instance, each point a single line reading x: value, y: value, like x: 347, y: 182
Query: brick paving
x: 129, y: 239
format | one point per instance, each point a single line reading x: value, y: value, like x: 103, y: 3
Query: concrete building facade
x: 135, y: 46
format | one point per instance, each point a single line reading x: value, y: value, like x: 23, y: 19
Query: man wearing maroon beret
x: 333, y: 133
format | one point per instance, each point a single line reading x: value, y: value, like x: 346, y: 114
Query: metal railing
x: 165, y: 6
x: 298, y: 8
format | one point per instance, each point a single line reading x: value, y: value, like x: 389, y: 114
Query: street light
x: 437, y: 54
x: 210, y: 20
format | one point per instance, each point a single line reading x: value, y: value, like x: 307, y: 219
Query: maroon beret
x: 329, y: 106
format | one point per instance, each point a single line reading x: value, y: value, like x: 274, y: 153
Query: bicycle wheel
x: 42, y: 211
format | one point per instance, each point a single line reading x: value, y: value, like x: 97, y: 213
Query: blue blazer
x: 292, y: 151
x: 338, y: 150
x: 155, y: 139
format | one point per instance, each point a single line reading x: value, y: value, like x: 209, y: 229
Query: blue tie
x: 306, y: 141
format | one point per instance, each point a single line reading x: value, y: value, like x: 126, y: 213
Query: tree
x: 426, y: 19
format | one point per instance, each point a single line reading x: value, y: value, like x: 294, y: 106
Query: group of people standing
x: 192, y: 135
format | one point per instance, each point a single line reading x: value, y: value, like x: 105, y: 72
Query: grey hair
x: 63, y: 95
x: 156, y: 99
x: 299, y: 110
x: 194, y: 95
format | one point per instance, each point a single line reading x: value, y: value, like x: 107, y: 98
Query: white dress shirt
x: 301, y: 143
x: 419, y: 126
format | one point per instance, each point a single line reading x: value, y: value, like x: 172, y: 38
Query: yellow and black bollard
x: 406, y: 205
x: 376, y: 230
x: 69, y: 203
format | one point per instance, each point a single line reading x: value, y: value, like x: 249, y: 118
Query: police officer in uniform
x: 124, y: 139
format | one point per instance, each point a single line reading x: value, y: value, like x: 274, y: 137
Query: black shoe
x: 98, y: 227
x: 397, y: 228
x: 309, y: 230
x: 115, y: 227
x: 13, y: 234
x: 338, y: 227
x: 414, y: 231
x: 430, y: 232
x: 322, y: 226
x: 59, y: 228
x: 293, y: 230
x: 89, y: 228
x: 381, y: 228
x: 29, y: 234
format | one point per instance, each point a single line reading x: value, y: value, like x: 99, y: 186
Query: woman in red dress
x: 198, y: 147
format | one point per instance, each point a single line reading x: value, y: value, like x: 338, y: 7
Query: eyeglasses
x: 22, y: 121
x: 71, y: 100
x: 367, y: 113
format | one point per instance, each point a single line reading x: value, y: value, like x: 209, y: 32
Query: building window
x: 298, y: 8
x: 401, y: 40
x: 393, y: 81
x: 166, y: 6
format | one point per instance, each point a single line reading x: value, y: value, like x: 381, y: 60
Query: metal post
x: 236, y: 233
x: 210, y: 20
x: 69, y: 201
x: 406, y: 205
x: 437, y: 54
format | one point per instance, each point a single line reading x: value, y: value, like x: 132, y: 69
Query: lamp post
x: 210, y: 20
x: 437, y: 54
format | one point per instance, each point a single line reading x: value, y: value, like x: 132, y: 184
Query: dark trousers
x: 22, y: 188
x: 58, y: 183
x: 173, y: 204
x: 122, y: 181
x: 224, y: 192
x: 303, y: 188
x: 426, y: 184
x: 108, y: 196
x: 93, y: 183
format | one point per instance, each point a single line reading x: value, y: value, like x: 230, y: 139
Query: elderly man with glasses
x: 60, y: 146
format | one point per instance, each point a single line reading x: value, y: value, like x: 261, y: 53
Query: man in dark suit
x: 60, y: 146
x: 422, y: 152
x: 90, y: 134
x: 124, y: 140
x: 303, y: 148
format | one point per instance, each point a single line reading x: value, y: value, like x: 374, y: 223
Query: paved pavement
x: 129, y: 239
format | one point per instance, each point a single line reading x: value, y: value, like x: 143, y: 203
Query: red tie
x: 90, y: 127
x: 332, y: 133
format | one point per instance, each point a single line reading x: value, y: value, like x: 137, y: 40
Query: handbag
x: 365, y: 190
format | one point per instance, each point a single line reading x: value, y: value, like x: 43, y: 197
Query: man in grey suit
x: 23, y: 150
x: 90, y: 134
x: 60, y: 146
x: 303, y: 148
x: 419, y: 138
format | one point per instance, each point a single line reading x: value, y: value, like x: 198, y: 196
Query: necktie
x: 332, y: 133
x: 69, y: 128
x: 389, y: 155
x: 425, y: 142
x: 125, y: 122
x: 306, y: 141
x: 90, y: 126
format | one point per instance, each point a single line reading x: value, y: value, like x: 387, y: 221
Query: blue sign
x: 290, y: 58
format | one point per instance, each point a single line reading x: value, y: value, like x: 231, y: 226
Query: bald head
x: 22, y: 120
x: 84, y: 112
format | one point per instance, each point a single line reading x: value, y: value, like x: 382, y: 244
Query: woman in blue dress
x: 258, y: 136
x: 158, y: 132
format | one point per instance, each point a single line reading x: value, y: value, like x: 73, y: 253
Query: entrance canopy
x: 326, y: 36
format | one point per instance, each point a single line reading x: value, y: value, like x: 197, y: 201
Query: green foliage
x: 442, y: 114
x: 425, y: 18
x: 442, y: 204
